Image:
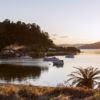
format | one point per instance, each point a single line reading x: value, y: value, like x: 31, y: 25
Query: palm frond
x: 85, y: 76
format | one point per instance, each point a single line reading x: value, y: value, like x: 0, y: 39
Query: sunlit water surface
x: 38, y: 72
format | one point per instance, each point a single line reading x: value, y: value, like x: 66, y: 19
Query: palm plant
x: 88, y: 77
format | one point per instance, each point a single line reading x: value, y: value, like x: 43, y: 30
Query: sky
x: 66, y: 21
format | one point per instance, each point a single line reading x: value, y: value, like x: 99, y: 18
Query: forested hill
x: 20, y: 33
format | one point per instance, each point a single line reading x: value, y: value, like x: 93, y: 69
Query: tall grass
x: 23, y: 92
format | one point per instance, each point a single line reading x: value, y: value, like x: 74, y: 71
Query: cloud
x: 64, y: 36
x: 54, y: 34
x: 53, y: 38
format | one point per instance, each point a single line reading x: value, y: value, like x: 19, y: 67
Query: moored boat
x: 51, y: 59
x: 58, y: 63
x: 54, y: 60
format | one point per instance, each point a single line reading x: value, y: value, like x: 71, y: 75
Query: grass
x: 96, y: 95
x: 24, y: 92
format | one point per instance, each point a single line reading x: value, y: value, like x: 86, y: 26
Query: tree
x: 20, y: 33
x: 85, y: 77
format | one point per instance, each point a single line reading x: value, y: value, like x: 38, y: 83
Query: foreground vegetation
x: 85, y: 77
x: 22, y: 92
x: 83, y: 90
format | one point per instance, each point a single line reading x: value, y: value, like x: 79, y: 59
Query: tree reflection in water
x: 17, y: 72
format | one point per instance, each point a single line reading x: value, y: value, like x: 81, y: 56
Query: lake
x: 38, y: 72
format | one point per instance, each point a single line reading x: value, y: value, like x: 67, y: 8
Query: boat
x: 58, y: 63
x: 55, y: 61
x: 51, y: 59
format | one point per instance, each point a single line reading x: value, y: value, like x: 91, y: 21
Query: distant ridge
x: 91, y: 46
x: 71, y: 45
x: 83, y: 46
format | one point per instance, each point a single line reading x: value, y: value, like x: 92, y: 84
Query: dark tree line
x: 20, y: 33
x: 68, y: 49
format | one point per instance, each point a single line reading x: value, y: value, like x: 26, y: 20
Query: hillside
x: 22, y: 34
x: 91, y: 46
x: 71, y: 45
x: 83, y: 46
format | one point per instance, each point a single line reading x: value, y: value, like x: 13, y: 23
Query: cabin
x: 51, y: 49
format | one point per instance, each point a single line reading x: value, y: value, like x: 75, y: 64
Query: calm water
x: 38, y: 72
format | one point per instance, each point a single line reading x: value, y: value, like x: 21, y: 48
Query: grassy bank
x: 23, y: 92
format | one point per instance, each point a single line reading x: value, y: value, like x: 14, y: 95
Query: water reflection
x: 70, y: 56
x: 17, y: 72
x: 90, y: 51
x: 48, y: 76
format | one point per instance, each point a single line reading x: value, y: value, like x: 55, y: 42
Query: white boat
x: 54, y: 60
x: 51, y: 59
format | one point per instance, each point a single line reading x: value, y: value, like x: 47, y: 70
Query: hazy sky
x: 67, y: 21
